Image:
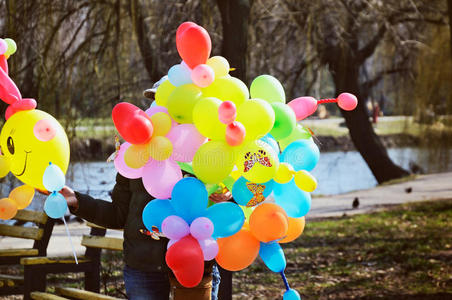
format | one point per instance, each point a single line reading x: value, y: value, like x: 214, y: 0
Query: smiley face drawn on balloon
x: 30, y: 140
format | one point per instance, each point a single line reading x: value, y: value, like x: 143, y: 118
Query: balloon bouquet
x: 250, y: 137
x: 34, y: 148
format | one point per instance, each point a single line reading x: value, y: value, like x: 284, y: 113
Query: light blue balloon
x: 269, y: 139
x: 179, y: 75
x: 227, y: 219
x: 273, y: 256
x: 294, y: 201
x: 155, y: 212
x: 53, y: 178
x: 189, y: 198
x: 291, y: 294
x: 243, y: 195
x: 301, y: 154
x: 55, y: 205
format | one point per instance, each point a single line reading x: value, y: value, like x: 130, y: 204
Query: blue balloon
x: 179, y: 75
x: 269, y: 139
x: 291, y: 294
x: 53, y: 178
x: 273, y: 256
x: 248, y: 193
x: 189, y: 198
x: 227, y: 219
x: 294, y: 201
x: 55, y: 205
x: 155, y: 212
x: 301, y: 154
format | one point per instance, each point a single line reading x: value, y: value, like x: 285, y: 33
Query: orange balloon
x: 22, y: 196
x: 296, y: 227
x: 237, y: 251
x: 8, y: 209
x: 269, y: 222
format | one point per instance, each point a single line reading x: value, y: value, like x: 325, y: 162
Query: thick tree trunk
x: 346, y: 78
x: 234, y: 18
x: 449, y: 10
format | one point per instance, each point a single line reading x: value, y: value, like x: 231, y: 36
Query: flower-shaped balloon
x: 154, y: 144
x: 191, y: 227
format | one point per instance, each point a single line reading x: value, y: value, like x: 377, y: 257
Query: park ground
x: 400, y: 252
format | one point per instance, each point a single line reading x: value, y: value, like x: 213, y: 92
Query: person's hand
x: 70, y: 197
x: 220, y: 197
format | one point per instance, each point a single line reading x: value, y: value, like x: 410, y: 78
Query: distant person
x: 146, y: 275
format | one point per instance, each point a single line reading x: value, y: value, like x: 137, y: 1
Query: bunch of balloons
x: 154, y: 144
x: 191, y: 227
x: 29, y: 139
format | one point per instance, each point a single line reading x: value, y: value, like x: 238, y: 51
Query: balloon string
x: 332, y: 100
x: 285, y: 280
x: 70, y: 240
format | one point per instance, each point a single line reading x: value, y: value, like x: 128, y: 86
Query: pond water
x: 337, y: 172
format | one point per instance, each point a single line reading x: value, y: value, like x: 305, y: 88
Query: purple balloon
x: 170, y: 243
x: 121, y: 166
x: 186, y: 140
x: 209, y: 248
x: 201, y: 228
x: 175, y: 228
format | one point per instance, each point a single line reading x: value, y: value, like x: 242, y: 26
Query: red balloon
x: 193, y: 44
x: 132, y: 123
x: 186, y: 260
x: 235, y: 133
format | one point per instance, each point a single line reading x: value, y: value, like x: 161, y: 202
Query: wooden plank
x: 19, y: 252
x: 21, y: 232
x: 43, y: 260
x: 31, y: 216
x: 102, y: 242
x: 89, y: 224
x: 45, y: 296
x: 82, y: 294
x: 12, y: 280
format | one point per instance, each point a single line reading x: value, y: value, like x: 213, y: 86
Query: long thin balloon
x: 70, y: 240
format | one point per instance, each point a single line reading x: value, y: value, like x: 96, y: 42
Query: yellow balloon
x: 305, y: 181
x: 136, y: 156
x: 219, y: 64
x: 205, y: 118
x: 298, y: 133
x: 22, y: 196
x: 257, y: 161
x: 161, y: 148
x: 284, y: 173
x: 161, y: 123
x: 163, y: 92
x: 227, y: 88
x: 5, y: 166
x: 182, y: 101
x: 8, y: 209
x: 213, y: 161
x: 258, y: 118
x: 30, y: 156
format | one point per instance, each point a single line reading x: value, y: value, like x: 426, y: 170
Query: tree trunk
x: 345, y: 73
x: 449, y: 11
x: 142, y: 34
x: 234, y: 18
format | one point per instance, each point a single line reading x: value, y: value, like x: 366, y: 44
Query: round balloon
x: 269, y: 222
x: 268, y: 88
x: 227, y: 88
x: 257, y: 116
x: 285, y: 121
x: 163, y: 91
x: 219, y: 65
x: 182, y: 101
x: 237, y: 251
x: 294, y: 201
x: 22, y: 196
x: 205, y: 118
x: 250, y: 194
x: 298, y: 133
x: 55, y: 205
x: 301, y: 154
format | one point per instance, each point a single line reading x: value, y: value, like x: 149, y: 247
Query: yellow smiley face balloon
x: 31, y: 139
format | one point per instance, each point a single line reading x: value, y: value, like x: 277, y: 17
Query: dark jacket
x: 129, y: 197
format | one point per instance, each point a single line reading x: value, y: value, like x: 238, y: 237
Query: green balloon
x: 285, y: 121
x: 268, y: 88
x: 182, y: 101
x: 12, y: 47
x: 298, y: 133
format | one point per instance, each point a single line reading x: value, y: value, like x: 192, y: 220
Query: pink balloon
x: 170, y: 243
x: 347, y: 101
x: 227, y: 112
x: 209, y: 248
x: 186, y: 140
x: 202, y: 75
x: 44, y: 130
x: 235, y: 133
x: 155, y: 109
x: 8, y: 89
x: 201, y: 228
x: 175, y: 228
x: 159, y: 177
x: 303, y: 107
x: 3, y: 46
x: 121, y: 166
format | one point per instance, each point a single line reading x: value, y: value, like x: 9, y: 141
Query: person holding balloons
x: 146, y: 274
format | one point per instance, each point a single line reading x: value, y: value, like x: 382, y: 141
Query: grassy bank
x: 404, y: 252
